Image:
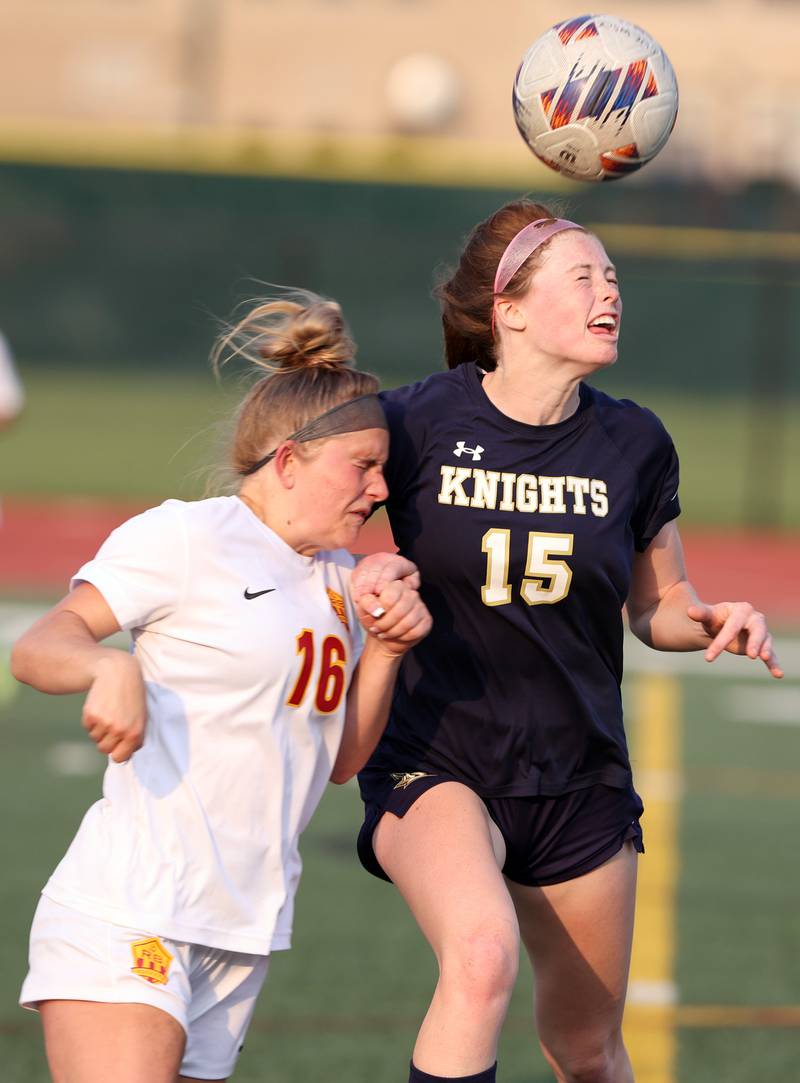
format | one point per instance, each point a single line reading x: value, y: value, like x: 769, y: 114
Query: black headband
x: 364, y: 412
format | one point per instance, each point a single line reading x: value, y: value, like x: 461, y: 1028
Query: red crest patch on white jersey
x: 337, y: 602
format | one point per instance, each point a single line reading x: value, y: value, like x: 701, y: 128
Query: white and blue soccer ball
x: 595, y: 98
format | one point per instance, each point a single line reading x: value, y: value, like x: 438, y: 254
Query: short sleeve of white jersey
x: 140, y: 569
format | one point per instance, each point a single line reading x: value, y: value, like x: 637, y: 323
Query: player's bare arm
x: 62, y: 653
x: 395, y: 619
x: 665, y: 612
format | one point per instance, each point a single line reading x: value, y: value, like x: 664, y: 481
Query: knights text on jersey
x: 524, y: 536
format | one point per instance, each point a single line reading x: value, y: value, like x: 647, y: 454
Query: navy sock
x: 487, y: 1076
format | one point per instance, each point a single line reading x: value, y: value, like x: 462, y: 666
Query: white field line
x: 652, y: 992
x: 16, y: 617
x: 75, y: 758
x: 641, y: 659
x: 780, y: 706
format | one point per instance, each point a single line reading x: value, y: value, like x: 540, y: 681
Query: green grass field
x: 345, y: 1002
x: 118, y: 435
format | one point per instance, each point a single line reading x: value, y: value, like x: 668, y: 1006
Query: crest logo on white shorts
x: 462, y: 449
x: 151, y: 960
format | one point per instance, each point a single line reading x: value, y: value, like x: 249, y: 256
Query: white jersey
x: 247, y: 649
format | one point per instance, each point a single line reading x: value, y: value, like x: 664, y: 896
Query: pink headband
x: 525, y: 244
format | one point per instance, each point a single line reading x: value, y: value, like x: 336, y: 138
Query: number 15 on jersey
x: 547, y: 578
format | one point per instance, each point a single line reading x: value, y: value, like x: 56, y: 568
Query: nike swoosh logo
x: 257, y: 593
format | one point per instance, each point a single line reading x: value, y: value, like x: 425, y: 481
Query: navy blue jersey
x: 524, y: 536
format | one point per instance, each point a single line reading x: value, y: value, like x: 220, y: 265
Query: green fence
x: 112, y: 267
x: 129, y: 271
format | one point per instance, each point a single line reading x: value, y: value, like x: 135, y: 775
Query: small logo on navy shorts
x: 404, y: 779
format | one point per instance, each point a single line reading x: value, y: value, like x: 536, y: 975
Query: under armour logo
x: 462, y: 449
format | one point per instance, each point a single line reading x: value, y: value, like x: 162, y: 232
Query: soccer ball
x: 595, y: 98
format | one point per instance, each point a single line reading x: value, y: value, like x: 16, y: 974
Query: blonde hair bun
x: 303, y: 353
x: 283, y: 334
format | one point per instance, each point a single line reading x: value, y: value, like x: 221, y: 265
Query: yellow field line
x: 720, y: 1016
x: 689, y: 242
x: 709, y: 1016
x: 745, y: 782
x: 649, y: 1029
x: 372, y: 158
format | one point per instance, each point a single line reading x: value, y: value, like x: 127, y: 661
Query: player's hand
x: 738, y: 628
x: 115, y: 712
x: 397, y: 616
x: 376, y: 571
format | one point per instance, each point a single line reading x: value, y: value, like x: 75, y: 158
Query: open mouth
x: 606, y: 324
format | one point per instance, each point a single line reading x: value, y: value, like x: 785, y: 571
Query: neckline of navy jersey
x: 472, y: 378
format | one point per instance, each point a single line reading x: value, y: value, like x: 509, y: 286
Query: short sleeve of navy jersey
x: 643, y: 441
x: 406, y: 410
x: 524, y: 537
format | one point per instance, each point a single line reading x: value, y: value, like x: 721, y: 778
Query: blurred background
x: 161, y: 161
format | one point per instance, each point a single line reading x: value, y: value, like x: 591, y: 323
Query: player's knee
x: 482, y: 967
x: 596, y: 1063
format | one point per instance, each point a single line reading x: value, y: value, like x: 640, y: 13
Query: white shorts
x: 212, y: 993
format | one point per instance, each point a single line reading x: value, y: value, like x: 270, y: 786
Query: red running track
x: 43, y: 543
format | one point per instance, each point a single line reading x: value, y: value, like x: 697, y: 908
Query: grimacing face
x: 572, y: 307
x: 338, y: 485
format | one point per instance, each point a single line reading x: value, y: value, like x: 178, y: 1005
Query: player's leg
x: 578, y: 936
x: 112, y: 999
x: 444, y: 855
x: 224, y: 989
x: 89, y: 1042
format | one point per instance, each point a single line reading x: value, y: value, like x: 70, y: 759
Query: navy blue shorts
x: 548, y: 839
